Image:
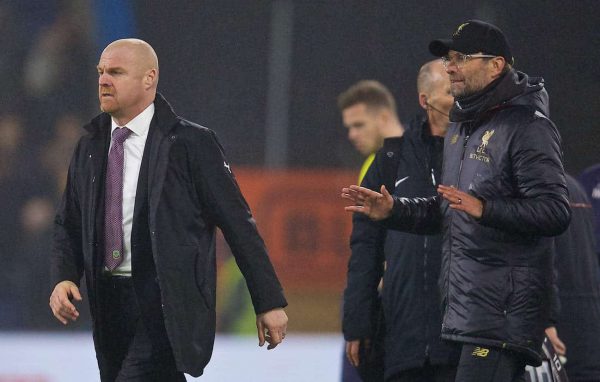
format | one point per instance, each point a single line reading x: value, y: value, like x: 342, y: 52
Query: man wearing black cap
x: 503, y: 194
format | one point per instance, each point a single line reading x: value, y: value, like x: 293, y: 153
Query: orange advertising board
x: 301, y: 217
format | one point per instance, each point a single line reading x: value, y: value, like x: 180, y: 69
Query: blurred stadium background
x: 264, y: 75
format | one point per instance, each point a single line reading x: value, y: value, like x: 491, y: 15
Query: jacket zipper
x: 426, y: 289
x: 430, y: 165
x: 462, y: 159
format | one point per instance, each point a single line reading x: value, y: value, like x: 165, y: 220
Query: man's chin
x: 457, y: 91
x: 106, y: 108
x: 462, y: 94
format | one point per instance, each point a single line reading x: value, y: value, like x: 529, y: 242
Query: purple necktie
x: 113, y: 201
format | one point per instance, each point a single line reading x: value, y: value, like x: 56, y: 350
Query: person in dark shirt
x: 578, y: 281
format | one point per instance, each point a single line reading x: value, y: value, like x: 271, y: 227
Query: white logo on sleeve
x: 400, y: 181
x: 596, y: 192
x: 227, y: 167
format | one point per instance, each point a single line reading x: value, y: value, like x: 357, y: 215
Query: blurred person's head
x: 476, y: 55
x: 11, y: 133
x: 57, y: 50
x: 37, y: 215
x: 369, y: 113
x: 127, y: 79
x: 67, y: 129
x: 56, y: 154
x: 435, y: 97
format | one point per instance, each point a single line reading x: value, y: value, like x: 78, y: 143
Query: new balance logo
x: 480, y: 352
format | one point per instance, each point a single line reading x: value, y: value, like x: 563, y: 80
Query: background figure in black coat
x: 579, y: 289
x: 154, y: 313
x: 408, y: 165
x: 590, y: 181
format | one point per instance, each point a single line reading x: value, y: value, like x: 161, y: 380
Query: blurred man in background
x: 369, y: 113
x: 410, y: 165
x: 578, y: 284
x: 590, y: 180
x: 502, y: 195
x: 144, y: 193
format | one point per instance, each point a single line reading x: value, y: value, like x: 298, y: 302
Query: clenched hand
x: 271, y: 326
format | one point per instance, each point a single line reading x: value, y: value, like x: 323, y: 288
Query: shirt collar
x: 140, y: 124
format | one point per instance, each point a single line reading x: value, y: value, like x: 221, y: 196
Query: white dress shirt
x: 133, y: 149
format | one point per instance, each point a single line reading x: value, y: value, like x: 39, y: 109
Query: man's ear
x: 381, y: 116
x: 150, y: 78
x: 498, y: 64
x: 423, y: 100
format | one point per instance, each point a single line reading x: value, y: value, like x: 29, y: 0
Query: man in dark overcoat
x: 145, y: 191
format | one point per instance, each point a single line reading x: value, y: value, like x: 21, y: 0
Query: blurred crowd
x: 46, y: 94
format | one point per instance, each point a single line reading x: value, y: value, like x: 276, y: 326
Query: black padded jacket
x: 497, y: 270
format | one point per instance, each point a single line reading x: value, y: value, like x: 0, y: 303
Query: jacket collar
x: 163, y: 115
x: 494, y: 95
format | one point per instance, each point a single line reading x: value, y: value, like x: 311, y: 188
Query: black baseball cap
x: 474, y: 36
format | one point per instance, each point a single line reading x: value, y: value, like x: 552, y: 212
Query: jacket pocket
x: 510, y: 287
x: 203, y: 280
x: 521, y: 292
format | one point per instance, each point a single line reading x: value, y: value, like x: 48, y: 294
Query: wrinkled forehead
x: 117, y: 56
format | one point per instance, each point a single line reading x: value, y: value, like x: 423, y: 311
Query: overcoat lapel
x: 98, y: 155
x: 163, y: 122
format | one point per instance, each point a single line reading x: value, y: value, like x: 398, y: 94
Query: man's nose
x: 103, y: 80
x: 351, y: 135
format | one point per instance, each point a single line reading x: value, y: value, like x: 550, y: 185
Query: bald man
x: 145, y: 191
x: 435, y: 97
x: 409, y: 165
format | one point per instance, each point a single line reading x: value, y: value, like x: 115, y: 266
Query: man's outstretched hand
x: 375, y: 205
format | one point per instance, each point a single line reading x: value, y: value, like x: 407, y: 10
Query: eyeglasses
x: 461, y: 59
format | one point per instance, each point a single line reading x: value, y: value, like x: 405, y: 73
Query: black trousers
x: 486, y: 364
x: 131, y: 349
x: 427, y: 373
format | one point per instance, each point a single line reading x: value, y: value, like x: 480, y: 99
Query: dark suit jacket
x: 191, y: 190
